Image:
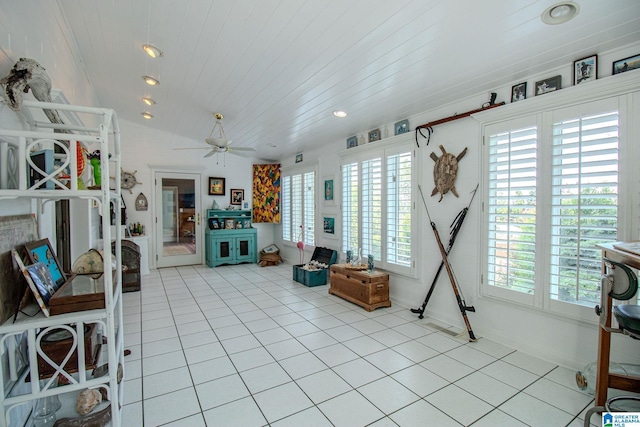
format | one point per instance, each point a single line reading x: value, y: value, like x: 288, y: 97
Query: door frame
x: 157, y: 172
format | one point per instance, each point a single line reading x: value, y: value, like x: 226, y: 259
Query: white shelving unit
x: 105, y: 136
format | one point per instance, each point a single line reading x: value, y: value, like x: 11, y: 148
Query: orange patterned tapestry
x: 266, y: 193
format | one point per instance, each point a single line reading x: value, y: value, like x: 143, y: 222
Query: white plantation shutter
x: 552, y: 197
x: 286, y: 209
x: 298, y: 207
x: 584, y: 204
x: 309, y: 208
x: 399, y: 209
x: 372, y: 208
x: 512, y: 209
x: 377, y: 206
x: 350, y: 206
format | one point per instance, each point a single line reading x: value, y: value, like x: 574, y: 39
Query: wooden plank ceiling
x: 277, y: 69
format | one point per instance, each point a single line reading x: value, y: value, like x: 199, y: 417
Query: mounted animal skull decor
x: 445, y: 172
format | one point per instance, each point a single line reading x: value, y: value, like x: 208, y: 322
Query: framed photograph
x: 374, y: 135
x: 328, y: 190
x: 246, y: 223
x: 519, y: 92
x: 213, y: 223
x: 329, y: 225
x: 298, y: 157
x: 42, y: 279
x: 548, y: 85
x: 401, y: 127
x: 271, y: 249
x: 216, y: 186
x: 585, y: 69
x: 626, y: 64
x: 41, y: 251
x: 237, y: 196
x: 352, y: 142
x: 229, y: 224
x: 34, y: 290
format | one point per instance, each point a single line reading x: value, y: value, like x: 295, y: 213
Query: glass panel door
x: 178, y: 230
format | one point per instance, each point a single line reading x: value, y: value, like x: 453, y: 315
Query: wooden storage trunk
x: 368, y: 290
x: 315, y: 277
x: 57, y: 343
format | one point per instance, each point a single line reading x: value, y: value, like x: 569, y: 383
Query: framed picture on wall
x: 216, y: 186
x: 329, y: 190
x: 585, y: 69
x: 519, y: 92
x: 237, y: 196
x: 329, y: 226
x: 626, y: 64
x: 548, y: 85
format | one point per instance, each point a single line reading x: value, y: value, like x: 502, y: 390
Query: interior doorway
x: 178, y: 219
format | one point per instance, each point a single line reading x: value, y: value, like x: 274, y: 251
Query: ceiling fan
x: 218, y: 142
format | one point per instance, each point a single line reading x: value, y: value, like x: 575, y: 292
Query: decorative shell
x: 445, y: 172
x: 87, y: 400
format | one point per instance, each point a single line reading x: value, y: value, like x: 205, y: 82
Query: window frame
x: 546, y: 114
x: 382, y: 150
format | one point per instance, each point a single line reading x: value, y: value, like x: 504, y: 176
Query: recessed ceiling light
x: 152, y: 51
x: 560, y: 13
x: 150, y: 81
x: 340, y: 113
x: 148, y: 101
x: 147, y: 115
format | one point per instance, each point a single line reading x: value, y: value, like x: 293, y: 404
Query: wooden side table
x: 605, y: 379
x: 368, y: 290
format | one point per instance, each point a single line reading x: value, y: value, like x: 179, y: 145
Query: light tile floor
x: 247, y: 346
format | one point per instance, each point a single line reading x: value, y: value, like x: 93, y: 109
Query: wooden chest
x: 368, y: 290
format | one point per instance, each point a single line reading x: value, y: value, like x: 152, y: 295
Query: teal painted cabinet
x: 230, y: 238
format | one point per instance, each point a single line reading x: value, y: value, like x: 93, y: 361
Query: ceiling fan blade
x: 242, y: 149
x: 210, y: 153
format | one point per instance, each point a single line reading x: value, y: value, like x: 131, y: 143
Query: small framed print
x: 298, y: 157
x: 229, y: 224
x: 237, y: 196
x: 374, y: 135
x: 328, y: 190
x: 216, y: 186
x: 548, y: 85
x: 519, y: 92
x: 329, y: 226
x: 401, y: 127
x: 626, y: 64
x: 352, y: 142
x: 585, y: 69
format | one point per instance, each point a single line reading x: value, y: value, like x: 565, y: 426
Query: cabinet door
x: 224, y: 250
x: 244, y: 248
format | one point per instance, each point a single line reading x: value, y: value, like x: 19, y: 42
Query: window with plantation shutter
x: 399, y: 208
x: 584, y: 204
x: 298, y: 206
x: 350, y: 206
x: 377, y: 206
x: 512, y: 209
x: 371, y: 208
x: 551, y: 196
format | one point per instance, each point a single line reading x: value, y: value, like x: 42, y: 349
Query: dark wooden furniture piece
x: 130, y: 260
x: 368, y: 290
x: 605, y: 379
